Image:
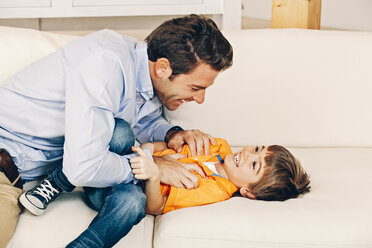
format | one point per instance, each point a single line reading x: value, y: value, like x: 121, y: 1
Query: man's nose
x: 199, y: 97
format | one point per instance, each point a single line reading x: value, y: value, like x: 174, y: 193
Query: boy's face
x: 246, y: 166
x: 185, y: 87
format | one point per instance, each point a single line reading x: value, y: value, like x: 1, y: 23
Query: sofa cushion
x: 337, y: 212
x: 65, y: 219
x: 20, y: 47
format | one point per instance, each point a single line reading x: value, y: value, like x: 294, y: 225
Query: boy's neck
x: 221, y: 170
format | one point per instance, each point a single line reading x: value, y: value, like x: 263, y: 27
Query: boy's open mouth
x: 236, y: 159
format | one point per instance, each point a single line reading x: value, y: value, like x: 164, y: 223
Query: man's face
x: 185, y: 87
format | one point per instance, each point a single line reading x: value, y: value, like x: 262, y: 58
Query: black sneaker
x: 36, y: 200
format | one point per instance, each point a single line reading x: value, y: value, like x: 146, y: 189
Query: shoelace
x: 46, y: 190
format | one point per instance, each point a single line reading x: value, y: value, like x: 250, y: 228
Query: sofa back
x: 298, y: 88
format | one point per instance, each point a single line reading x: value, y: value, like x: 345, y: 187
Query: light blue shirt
x: 63, y: 106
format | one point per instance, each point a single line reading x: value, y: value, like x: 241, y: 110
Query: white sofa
x: 307, y: 90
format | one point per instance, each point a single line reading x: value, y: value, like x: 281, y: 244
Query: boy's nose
x: 250, y: 156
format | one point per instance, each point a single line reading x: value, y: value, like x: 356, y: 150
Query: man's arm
x: 93, y: 92
x: 152, y: 127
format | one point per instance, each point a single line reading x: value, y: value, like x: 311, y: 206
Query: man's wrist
x: 171, y: 132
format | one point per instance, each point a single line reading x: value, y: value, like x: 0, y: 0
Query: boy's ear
x: 247, y: 193
x: 163, y: 69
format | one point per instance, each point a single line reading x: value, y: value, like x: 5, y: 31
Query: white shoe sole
x: 29, y: 206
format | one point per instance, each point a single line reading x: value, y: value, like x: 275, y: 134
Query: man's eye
x: 254, y: 165
x: 256, y: 150
x: 195, y: 89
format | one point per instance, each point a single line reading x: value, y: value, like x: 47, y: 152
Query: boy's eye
x: 254, y: 165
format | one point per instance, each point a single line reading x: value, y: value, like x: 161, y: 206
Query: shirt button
x: 149, y: 92
x: 47, y: 154
x: 23, y: 155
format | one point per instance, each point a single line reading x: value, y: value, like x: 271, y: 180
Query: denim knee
x: 120, y: 208
x: 122, y: 138
x: 134, y: 203
x: 126, y: 198
x: 96, y: 196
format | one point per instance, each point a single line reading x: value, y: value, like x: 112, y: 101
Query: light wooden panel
x: 296, y: 14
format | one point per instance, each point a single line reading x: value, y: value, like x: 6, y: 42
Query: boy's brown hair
x: 284, y: 177
x: 188, y: 41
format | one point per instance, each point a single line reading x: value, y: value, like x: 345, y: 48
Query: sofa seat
x: 65, y: 219
x: 337, y: 212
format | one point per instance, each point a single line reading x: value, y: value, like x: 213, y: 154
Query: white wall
x: 338, y: 14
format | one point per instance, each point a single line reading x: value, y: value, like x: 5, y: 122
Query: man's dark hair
x: 188, y: 41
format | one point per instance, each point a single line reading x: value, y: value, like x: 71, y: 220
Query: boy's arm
x: 155, y: 146
x: 155, y: 201
x: 160, y: 146
x: 144, y: 168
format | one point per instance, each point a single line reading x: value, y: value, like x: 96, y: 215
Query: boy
x: 262, y: 173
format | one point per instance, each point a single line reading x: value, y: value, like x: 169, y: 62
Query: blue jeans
x: 119, y: 207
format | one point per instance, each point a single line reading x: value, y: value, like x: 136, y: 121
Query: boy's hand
x: 149, y: 146
x: 143, y: 167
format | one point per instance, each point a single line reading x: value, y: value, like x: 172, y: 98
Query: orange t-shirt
x: 211, y: 189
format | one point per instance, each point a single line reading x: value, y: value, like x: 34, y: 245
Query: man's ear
x: 247, y: 193
x: 163, y: 69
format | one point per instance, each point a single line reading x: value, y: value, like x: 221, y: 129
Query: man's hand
x: 196, y: 139
x: 176, y: 173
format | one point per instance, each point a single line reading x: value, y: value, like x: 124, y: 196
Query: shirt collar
x: 143, y: 83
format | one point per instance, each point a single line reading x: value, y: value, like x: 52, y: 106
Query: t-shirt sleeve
x: 208, y: 192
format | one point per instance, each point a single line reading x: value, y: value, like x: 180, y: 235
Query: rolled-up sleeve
x: 93, y: 92
x: 153, y: 127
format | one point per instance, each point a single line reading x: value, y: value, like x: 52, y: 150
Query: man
x: 79, y: 110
